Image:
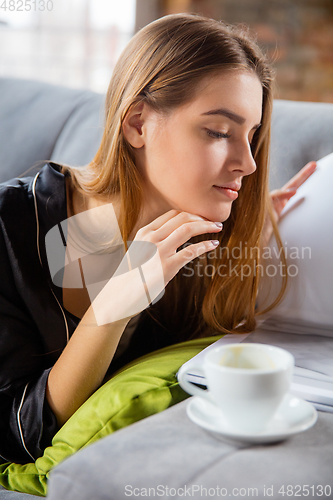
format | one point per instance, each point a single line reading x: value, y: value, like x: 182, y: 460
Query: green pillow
x: 146, y: 386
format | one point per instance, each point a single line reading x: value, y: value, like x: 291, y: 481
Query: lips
x: 233, y: 186
x: 227, y: 191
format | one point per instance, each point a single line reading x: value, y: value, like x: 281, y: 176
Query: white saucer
x: 293, y: 415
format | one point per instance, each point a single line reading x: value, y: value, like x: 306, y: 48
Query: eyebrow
x: 229, y: 114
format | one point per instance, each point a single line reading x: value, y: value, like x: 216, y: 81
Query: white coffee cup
x: 247, y: 382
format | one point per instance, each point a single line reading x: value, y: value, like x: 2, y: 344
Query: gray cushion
x: 80, y: 138
x: 36, y: 125
x: 168, y: 449
x: 301, y: 132
x: 14, y: 495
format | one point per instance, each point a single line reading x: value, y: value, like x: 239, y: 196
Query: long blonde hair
x: 162, y: 65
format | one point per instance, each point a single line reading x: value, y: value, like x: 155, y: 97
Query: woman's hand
x: 150, y: 263
x: 281, y: 196
x: 170, y: 231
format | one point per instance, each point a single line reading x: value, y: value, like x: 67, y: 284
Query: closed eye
x: 217, y: 135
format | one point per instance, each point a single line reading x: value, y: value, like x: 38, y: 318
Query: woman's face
x: 190, y: 157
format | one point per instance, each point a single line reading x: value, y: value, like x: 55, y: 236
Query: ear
x: 132, y: 125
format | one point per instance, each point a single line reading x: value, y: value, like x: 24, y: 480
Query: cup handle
x: 188, y: 386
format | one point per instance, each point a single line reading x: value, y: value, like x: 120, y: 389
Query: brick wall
x: 297, y: 34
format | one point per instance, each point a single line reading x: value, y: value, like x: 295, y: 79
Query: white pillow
x: 306, y: 229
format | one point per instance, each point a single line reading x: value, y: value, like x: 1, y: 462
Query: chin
x: 215, y: 215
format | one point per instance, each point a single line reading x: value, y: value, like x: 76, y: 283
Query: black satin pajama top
x: 34, y: 325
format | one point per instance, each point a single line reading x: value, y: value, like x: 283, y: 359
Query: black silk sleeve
x: 27, y: 423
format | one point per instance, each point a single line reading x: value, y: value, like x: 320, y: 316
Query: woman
x: 185, y: 148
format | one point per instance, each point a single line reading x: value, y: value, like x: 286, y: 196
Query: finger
x: 184, y: 223
x: 283, y: 195
x: 162, y: 219
x: 186, y: 231
x: 301, y: 176
x: 172, y: 215
x: 189, y: 253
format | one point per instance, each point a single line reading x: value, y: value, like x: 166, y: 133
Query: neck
x: 77, y: 202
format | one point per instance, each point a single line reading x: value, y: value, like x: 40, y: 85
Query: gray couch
x: 40, y: 122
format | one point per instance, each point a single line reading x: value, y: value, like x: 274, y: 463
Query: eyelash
x: 217, y: 135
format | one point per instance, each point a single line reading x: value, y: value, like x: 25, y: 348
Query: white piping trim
x: 39, y: 256
x: 65, y: 319
x: 19, y: 422
x: 36, y: 214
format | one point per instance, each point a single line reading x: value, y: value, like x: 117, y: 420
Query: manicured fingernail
x: 214, y: 242
x: 290, y: 190
x: 218, y: 224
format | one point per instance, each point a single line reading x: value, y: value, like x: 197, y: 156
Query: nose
x: 243, y: 160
